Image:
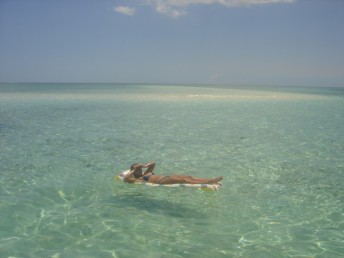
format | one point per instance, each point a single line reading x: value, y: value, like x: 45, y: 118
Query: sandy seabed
x: 149, y: 93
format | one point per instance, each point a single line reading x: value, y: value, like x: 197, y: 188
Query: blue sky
x: 246, y: 42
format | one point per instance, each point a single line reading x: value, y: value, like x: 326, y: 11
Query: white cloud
x: 176, y: 8
x: 165, y: 8
x: 125, y: 10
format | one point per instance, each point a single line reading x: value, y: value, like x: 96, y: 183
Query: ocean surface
x: 279, y: 149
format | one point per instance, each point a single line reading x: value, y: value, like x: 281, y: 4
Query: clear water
x: 280, y: 151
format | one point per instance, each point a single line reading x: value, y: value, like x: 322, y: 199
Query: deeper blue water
x: 280, y: 150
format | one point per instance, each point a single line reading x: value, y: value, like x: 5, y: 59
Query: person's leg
x: 181, y: 179
x: 196, y: 180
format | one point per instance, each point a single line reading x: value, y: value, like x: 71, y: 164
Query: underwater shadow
x: 151, y: 205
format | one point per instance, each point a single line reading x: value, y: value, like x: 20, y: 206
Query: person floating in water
x: 136, y: 174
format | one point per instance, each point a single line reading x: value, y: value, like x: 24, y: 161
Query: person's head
x: 137, y: 170
x: 133, y: 166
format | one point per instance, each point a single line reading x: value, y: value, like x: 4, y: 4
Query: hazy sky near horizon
x: 250, y: 42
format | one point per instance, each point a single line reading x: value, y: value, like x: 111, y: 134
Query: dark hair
x: 132, y: 166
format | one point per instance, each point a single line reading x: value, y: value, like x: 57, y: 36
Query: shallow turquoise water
x: 280, y: 151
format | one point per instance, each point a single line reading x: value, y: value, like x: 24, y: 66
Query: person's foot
x: 216, y: 180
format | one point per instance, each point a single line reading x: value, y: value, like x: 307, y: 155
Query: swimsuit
x: 146, y: 177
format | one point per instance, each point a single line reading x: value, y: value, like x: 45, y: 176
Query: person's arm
x: 127, y: 178
x: 150, y: 167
